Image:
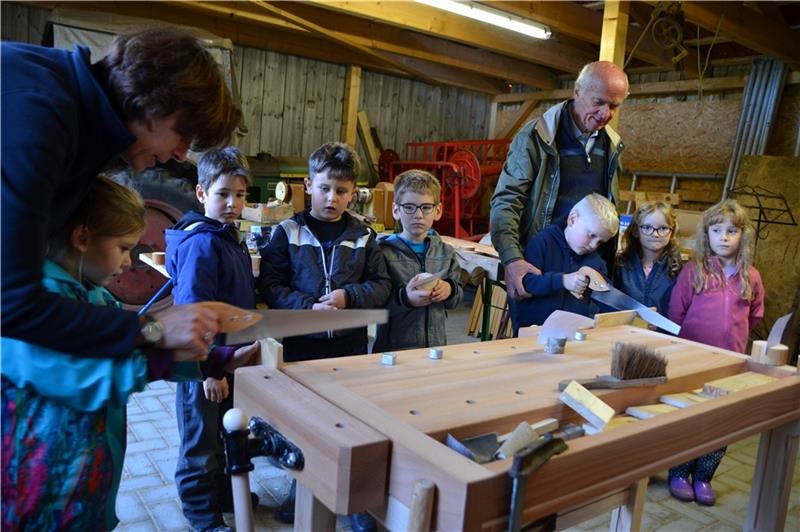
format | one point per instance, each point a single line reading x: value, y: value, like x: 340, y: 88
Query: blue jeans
x: 200, y: 472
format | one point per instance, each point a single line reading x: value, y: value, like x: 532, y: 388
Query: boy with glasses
x: 420, y: 299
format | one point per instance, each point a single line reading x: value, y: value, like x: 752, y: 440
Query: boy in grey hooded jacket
x: 418, y: 308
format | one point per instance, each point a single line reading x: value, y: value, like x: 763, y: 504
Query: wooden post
x: 772, y: 481
x: 352, y: 94
x: 421, y: 510
x: 612, y: 39
x: 629, y: 517
x: 309, y: 513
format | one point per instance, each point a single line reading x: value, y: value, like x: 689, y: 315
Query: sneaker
x: 704, y: 493
x: 681, y: 489
x: 363, y: 522
x: 285, y: 512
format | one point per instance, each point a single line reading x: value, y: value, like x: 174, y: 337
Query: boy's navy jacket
x: 59, y: 130
x: 208, y: 263
x: 653, y: 291
x: 295, y: 273
x: 408, y: 326
x: 548, y: 250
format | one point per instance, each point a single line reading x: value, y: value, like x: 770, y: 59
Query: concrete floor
x: 148, y: 500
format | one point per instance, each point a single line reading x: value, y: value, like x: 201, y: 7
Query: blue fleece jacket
x: 207, y: 262
x: 58, y: 131
x: 548, y: 250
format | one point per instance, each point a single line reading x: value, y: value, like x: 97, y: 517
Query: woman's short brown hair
x: 156, y: 72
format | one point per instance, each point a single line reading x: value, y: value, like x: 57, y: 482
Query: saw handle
x: 231, y: 318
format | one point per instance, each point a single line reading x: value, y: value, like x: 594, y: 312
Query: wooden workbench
x: 369, y: 432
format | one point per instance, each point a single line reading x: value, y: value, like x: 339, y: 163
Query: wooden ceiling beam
x: 431, y: 21
x: 585, y: 24
x: 747, y: 27
x: 329, y: 35
x: 416, y: 45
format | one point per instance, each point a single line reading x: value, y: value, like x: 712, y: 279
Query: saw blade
x: 621, y: 301
x: 284, y: 323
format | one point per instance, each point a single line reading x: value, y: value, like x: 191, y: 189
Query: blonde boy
x: 418, y: 309
x: 559, y: 252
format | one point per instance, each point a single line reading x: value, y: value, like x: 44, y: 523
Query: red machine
x: 466, y: 168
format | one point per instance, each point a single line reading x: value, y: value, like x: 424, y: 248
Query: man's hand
x: 190, y: 328
x: 576, y: 283
x: 216, y: 390
x: 336, y: 299
x: 514, y: 272
x: 242, y: 356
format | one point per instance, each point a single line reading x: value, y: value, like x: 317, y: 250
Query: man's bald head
x: 599, y: 90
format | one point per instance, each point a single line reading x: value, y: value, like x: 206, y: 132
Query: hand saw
x: 604, y: 293
x: 242, y: 326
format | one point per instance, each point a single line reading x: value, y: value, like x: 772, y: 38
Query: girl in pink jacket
x: 718, y: 298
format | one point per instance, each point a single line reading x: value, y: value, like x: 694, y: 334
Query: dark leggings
x: 702, y: 468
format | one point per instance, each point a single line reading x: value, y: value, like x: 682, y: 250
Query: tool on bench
x: 631, y: 365
x: 526, y: 461
x: 607, y: 294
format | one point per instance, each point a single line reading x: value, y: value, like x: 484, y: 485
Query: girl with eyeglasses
x: 650, y: 260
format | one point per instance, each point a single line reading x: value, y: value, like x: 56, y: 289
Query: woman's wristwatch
x: 151, y: 331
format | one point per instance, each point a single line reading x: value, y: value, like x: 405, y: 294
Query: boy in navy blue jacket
x: 208, y: 262
x: 324, y: 259
x: 560, y: 252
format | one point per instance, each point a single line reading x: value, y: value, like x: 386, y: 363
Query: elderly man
x: 554, y: 161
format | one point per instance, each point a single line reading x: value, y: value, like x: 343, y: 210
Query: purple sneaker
x: 681, y: 489
x: 704, y: 493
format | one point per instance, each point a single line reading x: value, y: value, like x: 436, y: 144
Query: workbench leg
x: 772, y: 479
x: 487, y: 309
x: 310, y: 514
x: 629, y: 517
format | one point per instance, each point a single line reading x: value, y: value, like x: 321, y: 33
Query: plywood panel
x: 778, y: 254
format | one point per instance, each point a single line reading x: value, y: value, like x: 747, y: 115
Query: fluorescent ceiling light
x: 492, y: 16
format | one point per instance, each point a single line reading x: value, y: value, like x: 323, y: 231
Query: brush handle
x: 607, y: 381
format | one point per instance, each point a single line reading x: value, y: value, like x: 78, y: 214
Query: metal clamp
x: 269, y: 442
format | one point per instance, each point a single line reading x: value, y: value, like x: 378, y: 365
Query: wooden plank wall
x: 22, y: 23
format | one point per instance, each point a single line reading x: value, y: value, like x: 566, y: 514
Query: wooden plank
x: 638, y: 89
x: 370, y: 149
x: 334, y: 103
x: 356, y: 480
x: 252, y: 95
x: 629, y: 516
x: 519, y: 120
x: 352, y: 93
x: 310, y: 513
x: 406, y: 116
x: 295, y: 94
x: 313, y: 107
x: 273, y: 121
x: 37, y: 22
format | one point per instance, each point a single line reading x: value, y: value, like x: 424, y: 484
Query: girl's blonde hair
x: 109, y: 209
x: 705, y: 269
x: 631, y: 245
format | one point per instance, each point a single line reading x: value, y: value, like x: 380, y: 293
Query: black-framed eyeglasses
x: 660, y: 231
x: 411, y: 208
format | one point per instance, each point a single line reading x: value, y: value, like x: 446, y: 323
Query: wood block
x: 735, y: 383
x: 271, y: 353
x: 648, y: 411
x: 758, y: 350
x: 683, y: 399
x: 616, y: 421
x: 777, y: 355
x: 585, y: 403
x: 612, y: 319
